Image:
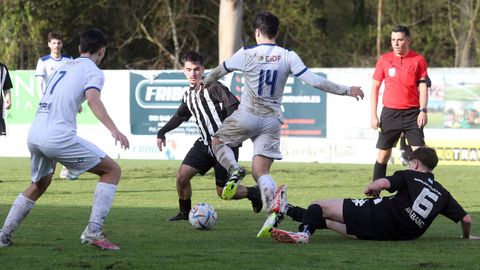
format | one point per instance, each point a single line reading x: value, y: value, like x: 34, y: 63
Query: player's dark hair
x: 192, y: 56
x: 55, y: 35
x: 426, y: 155
x: 267, y: 23
x: 92, y: 40
x: 402, y: 29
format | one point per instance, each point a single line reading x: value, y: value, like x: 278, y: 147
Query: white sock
x: 19, y: 210
x: 102, y: 202
x: 268, y: 187
x: 225, y: 156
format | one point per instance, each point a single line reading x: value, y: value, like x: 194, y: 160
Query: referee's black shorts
x: 393, y: 122
x: 201, y: 158
x: 364, y: 219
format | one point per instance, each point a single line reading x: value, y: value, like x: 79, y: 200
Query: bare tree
x: 229, y: 28
x: 462, y: 17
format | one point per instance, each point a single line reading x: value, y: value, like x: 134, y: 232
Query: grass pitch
x: 49, y: 238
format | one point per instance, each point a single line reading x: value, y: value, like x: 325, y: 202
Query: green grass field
x: 146, y: 197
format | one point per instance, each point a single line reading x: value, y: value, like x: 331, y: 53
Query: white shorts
x: 78, y: 157
x: 263, y: 131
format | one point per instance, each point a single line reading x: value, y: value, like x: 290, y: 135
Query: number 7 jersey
x: 55, y: 122
x: 266, y: 68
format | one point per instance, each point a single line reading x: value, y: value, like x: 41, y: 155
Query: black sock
x: 313, y: 219
x: 295, y: 212
x: 253, y: 193
x: 379, y: 171
x: 185, y: 205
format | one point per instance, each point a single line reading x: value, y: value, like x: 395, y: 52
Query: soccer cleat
x: 5, y: 240
x: 280, y: 201
x: 271, y: 222
x: 290, y: 237
x: 179, y: 216
x: 97, y: 239
x: 232, y: 185
x: 257, y: 203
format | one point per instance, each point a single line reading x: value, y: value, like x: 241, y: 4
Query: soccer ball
x: 202, y: 216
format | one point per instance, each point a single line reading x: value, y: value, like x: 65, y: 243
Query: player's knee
x: 182, y: 179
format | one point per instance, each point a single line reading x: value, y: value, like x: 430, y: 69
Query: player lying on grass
x: 403, y: 216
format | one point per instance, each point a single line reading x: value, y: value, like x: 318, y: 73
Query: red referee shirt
x: 401, y: 75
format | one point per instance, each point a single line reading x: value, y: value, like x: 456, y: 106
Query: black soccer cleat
x: 179, y: 216
x: 256, y: 201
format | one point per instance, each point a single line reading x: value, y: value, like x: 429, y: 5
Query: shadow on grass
x: 49, y: 239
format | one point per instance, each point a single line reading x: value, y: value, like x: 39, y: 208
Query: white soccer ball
x: 202, y: 216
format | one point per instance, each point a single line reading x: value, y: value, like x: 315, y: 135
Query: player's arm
x: 330, y: 87
x: 98, y: 109
x: 223, y: 95
x: 233, y: 63
x: 182, y: 115
x: 374, y: 188
x: 41, y: 75
x: 8, y: 99
x: 466, y: 224
x: 7, y: 85
x: 374, y: 122
x: 422, y: 119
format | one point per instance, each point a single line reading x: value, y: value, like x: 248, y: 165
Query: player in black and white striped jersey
x: 5, y: 86
x: 209, y: 105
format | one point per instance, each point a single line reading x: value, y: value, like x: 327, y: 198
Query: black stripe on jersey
x: 301, y: 72
x: 207, y: 112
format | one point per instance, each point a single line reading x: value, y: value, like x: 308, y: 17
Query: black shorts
x: 393, y: 122
x: 201, y: 158
x: 365, y: 219
x: 3, y: 128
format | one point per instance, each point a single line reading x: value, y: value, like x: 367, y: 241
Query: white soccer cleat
x: 271, y: 222
x: 97, y: 239
x: 5, y: 240
x: 290, y: 237
x: 279, y: 204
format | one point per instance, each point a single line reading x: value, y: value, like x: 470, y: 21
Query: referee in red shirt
x: 404, y: 99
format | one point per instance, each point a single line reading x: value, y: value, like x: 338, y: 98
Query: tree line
x: 152, y: 34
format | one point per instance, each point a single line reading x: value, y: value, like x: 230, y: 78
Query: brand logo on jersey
x: 269, y: 58
x: 359, y: 202
x: 391, y: 72
x: 160, y: 94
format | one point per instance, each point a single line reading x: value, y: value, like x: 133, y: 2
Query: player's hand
x: 371, y: 192
x: 374, y: 122
x: 422, y: 119
x: 122, y: 139
x: 161, y: 143
x: 8, y: 103
x: 80, y: 109
x: 356, y: 92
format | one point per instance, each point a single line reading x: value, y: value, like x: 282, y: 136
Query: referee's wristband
x: 423, y: 110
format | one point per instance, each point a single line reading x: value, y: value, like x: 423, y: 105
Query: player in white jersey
x: 266, y: 67
x: 46, y: 67
x: 48, y: 64
x: 52, y: 138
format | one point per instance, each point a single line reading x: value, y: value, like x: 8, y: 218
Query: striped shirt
x: 208, y: 105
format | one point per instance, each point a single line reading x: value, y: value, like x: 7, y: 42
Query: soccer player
x: 419, y: 199
x: 46, y: 67
x: 48, y: 64
x: 5, y: 86
x: 52, y: 138
x: 209, y: 106
x: 266, y: 67
x: 404, y: 99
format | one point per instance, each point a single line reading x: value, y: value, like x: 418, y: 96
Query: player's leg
x: 82, y: 156
x: 235, y: 129
x: 184, y: 189
x: 390, y: 131
x: 41, y: 170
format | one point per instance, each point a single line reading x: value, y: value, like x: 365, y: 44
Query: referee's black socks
x: 379, y: 171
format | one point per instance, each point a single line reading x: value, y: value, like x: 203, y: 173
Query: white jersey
x: 56, y: 120
x: 46, y: 67
x: 266, y: 68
